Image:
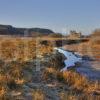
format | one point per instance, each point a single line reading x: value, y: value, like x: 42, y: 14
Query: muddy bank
x: 90, y: 69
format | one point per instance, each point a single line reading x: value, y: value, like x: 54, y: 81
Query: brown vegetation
x: 78, y: 86
x: 17, y: 68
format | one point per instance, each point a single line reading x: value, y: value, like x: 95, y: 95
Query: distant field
x: 83, y: 46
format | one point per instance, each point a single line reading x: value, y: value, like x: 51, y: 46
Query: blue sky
x: 59, y: 15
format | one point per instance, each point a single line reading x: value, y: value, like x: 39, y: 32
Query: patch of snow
x: 70, y: 60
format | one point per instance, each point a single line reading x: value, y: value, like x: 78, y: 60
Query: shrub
x: 49, y: 74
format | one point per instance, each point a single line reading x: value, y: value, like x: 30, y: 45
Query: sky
x: 58, y: 15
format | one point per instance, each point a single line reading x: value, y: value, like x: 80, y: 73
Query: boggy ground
x: 37, y: 76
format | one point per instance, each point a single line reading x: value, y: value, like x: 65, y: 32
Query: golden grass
x: 20, y: 81
x: 38, y: 95
x: 11, y: 74
x: 22, y: 49
x: 2, y: 92
x: 17, y: 49
x: 73, y: 80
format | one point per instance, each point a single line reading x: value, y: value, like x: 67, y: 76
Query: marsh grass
x: 17, y: 71
x: 73, y: 80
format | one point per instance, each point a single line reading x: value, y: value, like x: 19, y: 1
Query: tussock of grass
x: 49, y: 74
x: 72, y: 79
x: 38, y: 95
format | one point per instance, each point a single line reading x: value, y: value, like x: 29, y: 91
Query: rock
x: 57, y: 60
x: 13, y: 93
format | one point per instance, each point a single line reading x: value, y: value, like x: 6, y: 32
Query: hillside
x: 10, y: 30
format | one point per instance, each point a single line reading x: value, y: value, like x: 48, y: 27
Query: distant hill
x: 10, y: 30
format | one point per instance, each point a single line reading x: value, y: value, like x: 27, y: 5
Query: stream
x: 90, y: 69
